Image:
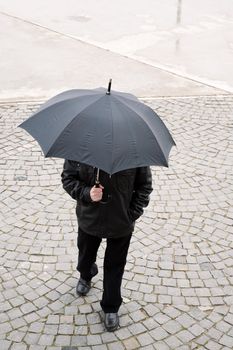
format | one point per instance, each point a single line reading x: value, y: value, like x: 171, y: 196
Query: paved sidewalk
x: 178, y: 284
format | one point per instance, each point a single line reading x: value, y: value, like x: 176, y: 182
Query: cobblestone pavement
x: 178, y: 284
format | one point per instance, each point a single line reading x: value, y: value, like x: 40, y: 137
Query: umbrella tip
x: 109, y: 87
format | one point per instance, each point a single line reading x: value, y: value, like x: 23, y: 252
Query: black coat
x: 125, y: 192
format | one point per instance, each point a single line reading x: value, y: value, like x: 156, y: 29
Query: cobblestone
x: 177, y: 288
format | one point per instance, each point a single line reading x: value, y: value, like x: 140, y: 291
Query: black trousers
x: 114, y: 264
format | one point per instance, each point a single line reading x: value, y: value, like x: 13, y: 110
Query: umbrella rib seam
x: 53, y: 145
x: 148, y: 128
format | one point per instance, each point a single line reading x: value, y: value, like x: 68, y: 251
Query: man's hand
x: 96, y: 193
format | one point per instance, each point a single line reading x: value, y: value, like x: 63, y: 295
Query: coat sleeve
x: 71, y: 183
x: 141, y: 194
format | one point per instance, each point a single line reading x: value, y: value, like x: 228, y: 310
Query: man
x: 107, y: 210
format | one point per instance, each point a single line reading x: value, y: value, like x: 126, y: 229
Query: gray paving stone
x: 96, y: 328
x: 46, y: 339
x: 19, y: 346
x: 173, y: 342
x: 185, y: 336
x: 32, y: 338
x: 53, y: 319
x: 36, y: 327
x: 223, y: 326
x: 123, y: 333
x: 159, y: 333
x: 138, y: 315
x: 161, y: 318
x: 150, y: 323
x: 137, y: 328
x: 148, y: 347
x: 108, y: 337
x: 5, y: 344
x: 196, y: 330
x: 214, y: 334
x: 94, y: 339
x: 93, y: 318
x: 16, y: 336
x: 83, y: 330
x: 99, y: 347
x: 85, y: 309
x: 17, y: 323
x: 211, y: 345
x: 63, y: 340
x: 229, y: 319
x: 172, y: 327
x: 115, y: 346
x: 78, y: 340
x: 145, y: 339
x: 203, y: 339
x: 185, y: 320
x: 66, y: 329
x: 226, y: 340
x: 5, y: 328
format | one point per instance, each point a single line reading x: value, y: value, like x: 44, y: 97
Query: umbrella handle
x: 97, y: 181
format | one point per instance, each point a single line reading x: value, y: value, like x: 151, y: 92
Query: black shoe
x: 84, y: 286
x: 111, y: 321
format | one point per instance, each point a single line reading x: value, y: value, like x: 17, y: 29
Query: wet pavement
x: 150, y: 48
x: 178, y: 283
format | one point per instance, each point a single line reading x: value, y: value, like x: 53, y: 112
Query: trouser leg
x: 88, y: 246
x: 114, y: 264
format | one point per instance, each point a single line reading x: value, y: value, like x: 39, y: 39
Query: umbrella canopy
x: 110, y: 130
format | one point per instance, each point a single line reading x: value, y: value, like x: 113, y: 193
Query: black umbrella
x: 110, y: 130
